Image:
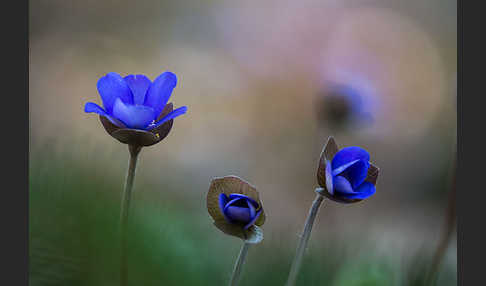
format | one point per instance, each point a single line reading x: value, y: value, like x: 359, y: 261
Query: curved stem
x: 449, y: 225
x: 125, y: 206
x: 239, y: 264
x: 304, y: 239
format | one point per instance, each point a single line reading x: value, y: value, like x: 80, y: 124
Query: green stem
x: 449, y: 225
x: 125, y: 206
x: 239, y: 264
x: 304, y: 239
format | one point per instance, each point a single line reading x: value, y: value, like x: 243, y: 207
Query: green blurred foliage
x: 74, y: 240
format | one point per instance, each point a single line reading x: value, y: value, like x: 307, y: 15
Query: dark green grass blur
x: 74, y: 211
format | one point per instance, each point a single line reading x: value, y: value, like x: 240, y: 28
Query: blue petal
x: 134, y: 116
x: 238, y: 214
x: 178, y: 112
x: 349, y: 154
x: 90, y: 107
x: 231, y: 202
x: 365, y: 190
x: 139, y: 84
x: 111, y: 87
x: 234, y: 196
x: 253, y: 220
x: 342, y: 168
x: 356, y: 173
x: 342, y: 186
x: 223, y: 199
x: 159, y: 92
x: 252, y: 209
x: 329, y: 178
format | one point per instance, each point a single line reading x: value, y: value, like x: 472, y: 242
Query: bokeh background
x: 266, y: 83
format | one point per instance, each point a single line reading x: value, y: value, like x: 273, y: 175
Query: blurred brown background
x: 252, y: 74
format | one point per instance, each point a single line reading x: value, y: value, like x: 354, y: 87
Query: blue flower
x: 136, y: 110
x: 239, y: 209
x: 346, y: 175
x: 343, y: 106
x: 235, y: 206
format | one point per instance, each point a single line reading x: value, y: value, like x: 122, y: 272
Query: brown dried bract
x: 138, y: 137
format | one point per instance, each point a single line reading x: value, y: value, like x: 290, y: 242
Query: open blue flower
x: 347, y: 174
x: 136, y: 110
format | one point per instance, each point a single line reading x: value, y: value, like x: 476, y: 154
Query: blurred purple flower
x: 340, y: 105
x: 346, y: 175
x: 135, y: 109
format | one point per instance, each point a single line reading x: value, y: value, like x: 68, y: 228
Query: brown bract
x: 327, y: 154
x: 231, y: 185
x: 138, y: 137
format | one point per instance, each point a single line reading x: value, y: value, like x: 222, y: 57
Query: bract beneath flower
x: 140, y: 137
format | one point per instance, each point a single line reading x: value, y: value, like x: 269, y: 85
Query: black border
x: 15, y: 128
x: 15, y: 23
x: 460, y: 203
x: 471, y: 195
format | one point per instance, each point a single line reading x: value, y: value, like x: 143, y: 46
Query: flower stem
x: 125, y: 206
x: 304, y: 239
x: 239, y: 263
x: 449, y: 226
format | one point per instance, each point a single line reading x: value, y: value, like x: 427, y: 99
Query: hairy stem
x: 125, y: 206
x: 304, y: 239
x: 239, y: 264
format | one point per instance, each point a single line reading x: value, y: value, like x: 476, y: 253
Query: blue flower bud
x: 235, y: 206
x: 346, y: 175
x: 239, y: 209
